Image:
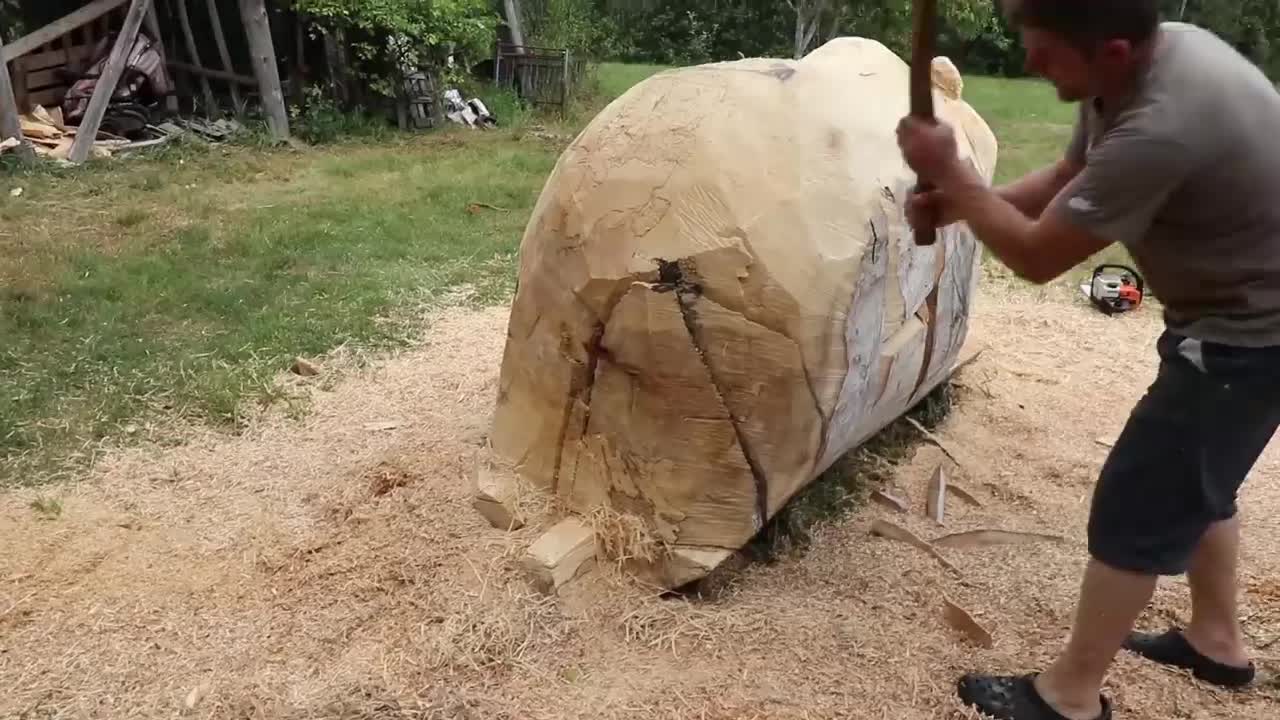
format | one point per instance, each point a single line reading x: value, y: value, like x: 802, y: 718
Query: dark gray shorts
x: 1184, y: 453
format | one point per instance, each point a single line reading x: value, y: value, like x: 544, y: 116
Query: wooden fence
x: 541, y: 76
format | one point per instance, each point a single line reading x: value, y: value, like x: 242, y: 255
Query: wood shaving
x: 960, y: 619
x: 988, y: 538
x: 888, y: 530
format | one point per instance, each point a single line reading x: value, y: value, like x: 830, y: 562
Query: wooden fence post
x: 10, y: 122
x: 106, y: 87
x: 215, y: 24
x: 262, y: 48
x: 152, y: 21
x: 184, y: 21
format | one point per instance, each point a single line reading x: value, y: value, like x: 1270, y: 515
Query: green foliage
x: 11, y: 19
x: 389, y: 36
x: 321, y: 121
x: 972, y: 32
x: 579, y: 25
x: 692, y: 31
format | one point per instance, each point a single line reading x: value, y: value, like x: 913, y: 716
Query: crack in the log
x: 578, y: 391
x: 824, y: 419
x: 674, y: 277
x: 931, y: 325
x: 595, y: 349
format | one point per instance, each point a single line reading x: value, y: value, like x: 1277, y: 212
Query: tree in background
x: 972, y: 32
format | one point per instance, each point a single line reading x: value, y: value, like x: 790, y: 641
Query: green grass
x: 1031, y: 125
x: 188, y: 299
x: 180, y: 283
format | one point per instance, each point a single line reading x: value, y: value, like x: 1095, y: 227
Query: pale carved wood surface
x: 719, y: 295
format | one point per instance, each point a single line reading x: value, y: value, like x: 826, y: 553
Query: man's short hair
x: 1088, y: 23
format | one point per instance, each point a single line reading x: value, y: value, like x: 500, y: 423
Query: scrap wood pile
x: 51, y: 137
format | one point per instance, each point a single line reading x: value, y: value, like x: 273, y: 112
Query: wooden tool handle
x: 922, y: 54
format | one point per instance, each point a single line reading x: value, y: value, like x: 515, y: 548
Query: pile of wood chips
x: 52, y: 138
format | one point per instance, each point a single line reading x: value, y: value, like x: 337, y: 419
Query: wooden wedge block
x: 560, y: 555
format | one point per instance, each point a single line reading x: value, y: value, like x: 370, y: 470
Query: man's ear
x: 1116, y: 53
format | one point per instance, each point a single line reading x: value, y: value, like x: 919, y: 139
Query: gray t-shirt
x: 1186, y: 175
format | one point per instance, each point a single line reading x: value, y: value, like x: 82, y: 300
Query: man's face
x: 1070, y: 70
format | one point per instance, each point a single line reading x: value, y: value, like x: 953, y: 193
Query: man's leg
x: 1215, y: 627
x: 1156, y: 497
x: 1239, y: 399
x: 1212, y: 646
x: 1110, y: 602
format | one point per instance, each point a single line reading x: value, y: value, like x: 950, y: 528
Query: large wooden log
x: 719, y: 295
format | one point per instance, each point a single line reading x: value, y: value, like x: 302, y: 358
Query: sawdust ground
x: 332, y: 567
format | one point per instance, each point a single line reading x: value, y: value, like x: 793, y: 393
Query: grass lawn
x: 182, y: 282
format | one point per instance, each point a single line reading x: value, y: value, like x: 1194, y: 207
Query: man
x: 1176, y: 156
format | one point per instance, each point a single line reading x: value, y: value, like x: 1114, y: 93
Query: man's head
x: 1085, y: 47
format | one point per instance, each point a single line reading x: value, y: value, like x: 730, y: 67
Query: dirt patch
x: 332, y: 567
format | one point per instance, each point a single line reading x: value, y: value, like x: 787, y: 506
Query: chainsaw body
x: 1114, y: 289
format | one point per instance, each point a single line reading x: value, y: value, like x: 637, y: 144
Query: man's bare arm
x: 1033, y: 192
x: 1038, y: 250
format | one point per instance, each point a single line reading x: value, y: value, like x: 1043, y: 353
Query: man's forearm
x: 997, y: 221
x: 1033, y: 192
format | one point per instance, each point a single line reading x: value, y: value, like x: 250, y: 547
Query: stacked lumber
x: 719, y: 296
x: 52, y: 138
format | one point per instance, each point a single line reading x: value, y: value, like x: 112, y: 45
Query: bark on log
x: 719, y: 295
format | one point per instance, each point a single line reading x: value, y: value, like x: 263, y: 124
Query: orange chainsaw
x: 1114, y: 289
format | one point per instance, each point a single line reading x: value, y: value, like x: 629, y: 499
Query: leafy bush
x: 392, y: 36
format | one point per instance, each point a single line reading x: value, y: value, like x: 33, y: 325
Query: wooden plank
x: 263, y: 52
x: 107, y: 83
x: 215, y: 74
x: 57, y: 58
x: 42, y: 79
x: 184, y: 20
x: 10, y: 122
x: 18, y: 83
x: 49, y: 97
x: 215, y: 23
x: 152, y: 21
x: 58, y: 28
